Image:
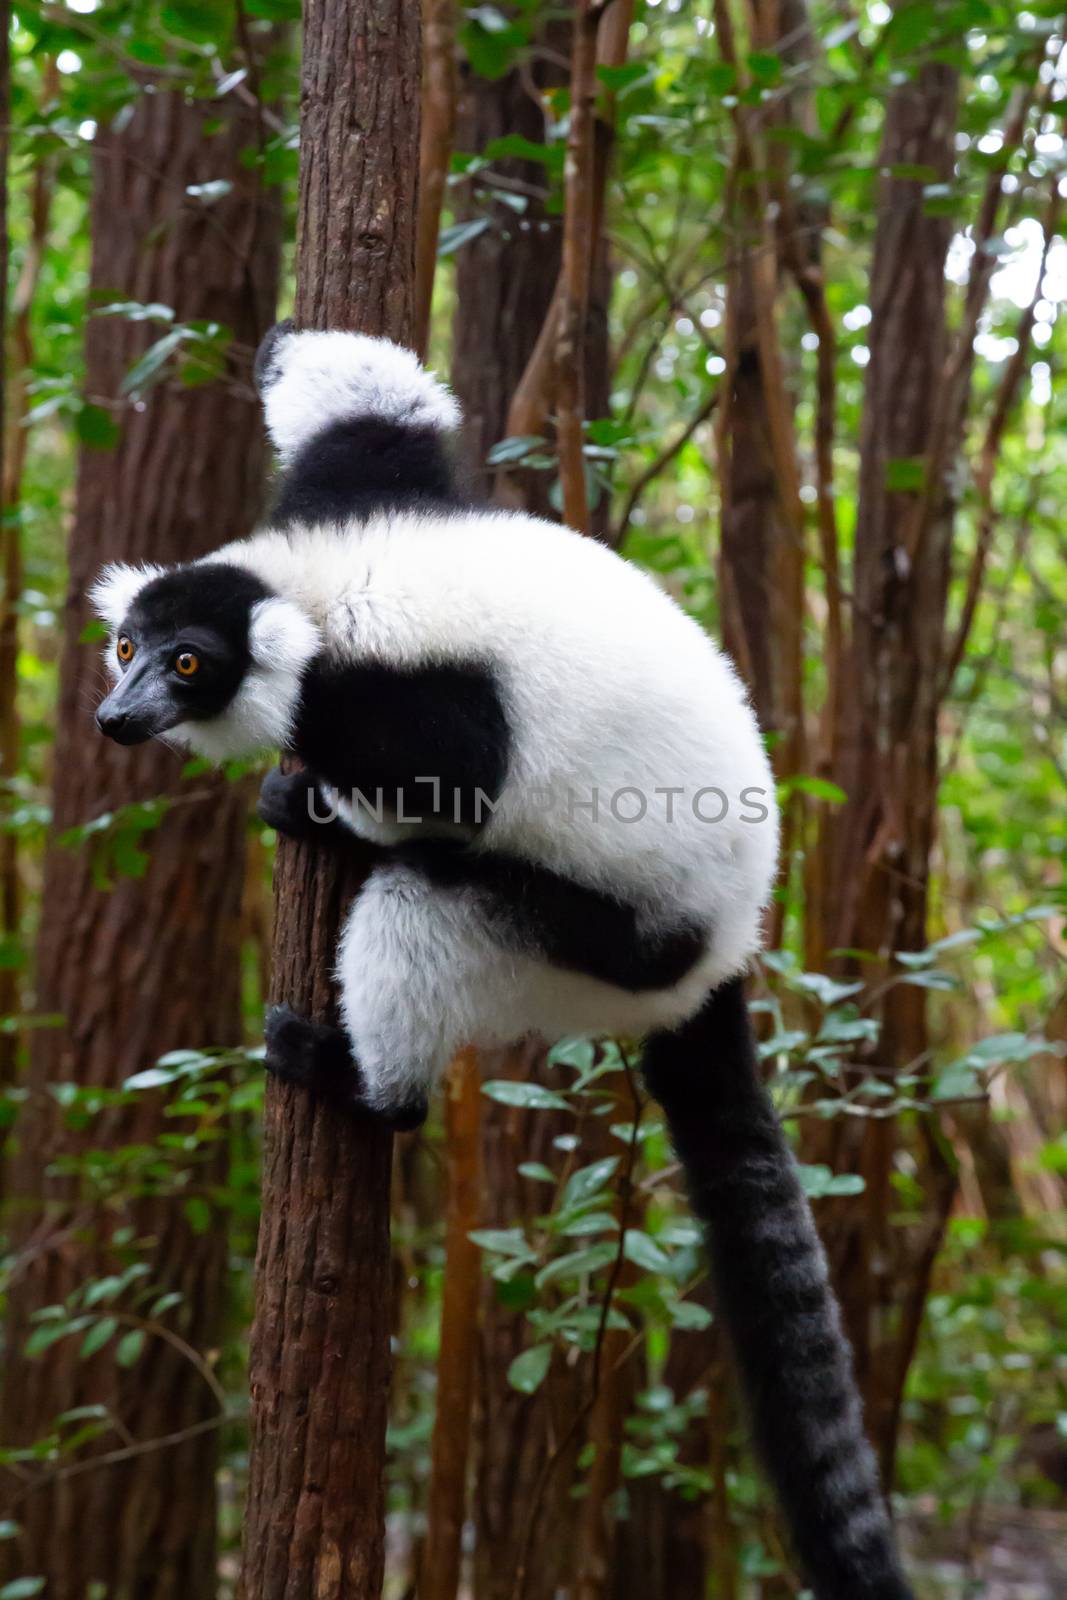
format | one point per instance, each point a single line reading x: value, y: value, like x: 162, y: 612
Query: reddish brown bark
x: 459, y: 1333
x: 11, y: 573
x: 761, y: 553
x: 505, y: 280
x: 320, y: 1345
x: 435, y: 152
x: 154, y: 963
x: 880, y: 840
x: 14, y: 404
x: 569, y: 353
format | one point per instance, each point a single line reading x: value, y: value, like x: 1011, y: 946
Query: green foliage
x: 603, y: 1244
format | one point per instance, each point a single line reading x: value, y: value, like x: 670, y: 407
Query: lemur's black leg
x: 316, y: 1056
x: 293, y: 803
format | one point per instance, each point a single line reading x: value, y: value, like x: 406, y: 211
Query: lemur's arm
x: 422, y: 744
x: 359, y: 427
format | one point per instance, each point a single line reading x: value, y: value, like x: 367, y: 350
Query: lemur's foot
x: 292, y: 803
x: 316, y: 1056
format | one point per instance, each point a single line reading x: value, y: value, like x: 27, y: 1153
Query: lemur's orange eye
x: 187, y: 664
x: 124, y: 649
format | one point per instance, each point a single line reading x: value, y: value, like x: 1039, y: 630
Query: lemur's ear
x: 311, y: 381
x: 116, y: 588
x: 266, y: 367
x: 281, y: 637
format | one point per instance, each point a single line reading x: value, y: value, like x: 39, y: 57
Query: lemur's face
x: 181, y: 652
x: 206, y: 651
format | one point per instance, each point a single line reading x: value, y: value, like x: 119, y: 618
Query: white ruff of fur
x: 317, y: 379
x: 111, y: 597
x: 260, y: 715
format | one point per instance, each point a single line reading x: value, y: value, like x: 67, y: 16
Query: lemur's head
x: 206, y: 653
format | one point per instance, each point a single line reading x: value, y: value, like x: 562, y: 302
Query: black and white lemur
x: 575, y: 832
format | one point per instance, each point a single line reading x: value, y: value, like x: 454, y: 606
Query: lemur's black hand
x: 316, y: 1056
x: 292, y: 803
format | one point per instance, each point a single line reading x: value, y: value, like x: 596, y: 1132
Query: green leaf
x: 617, y: 78
x: 838, y: 1029
x: 515, y: 147
x: 591, y: 1222
x: 514, y: 448
x: 578, y: 1263
x: 45, y: 1336
x: 818, y: 1180
x: 215, y: 189
x: 845, y: 1183
x: 202, y: 23
x: 528, y: 1371
x: 818, y: 788
x: 644, y: 1252
x: 537, y: 1172
x: 505, y: 1241
x: 137, y: 311
x: 827, y: 990
x: 22, y: 1588
x: 166, y: 1302
x: 98, y: 1336
x: 129, y: 1347
x: 150, y: 1078
x: 930, y: 980
x: 460, y: 233
x: 97, y: 428
x: 8, y: 1529
x: 906, y: 473
x: 532, y: 1096
x: 102, y: 1289
x: 142, y: 373
x: 687, y: 1314
x: 198, y: 1213
x: 587, y: 1181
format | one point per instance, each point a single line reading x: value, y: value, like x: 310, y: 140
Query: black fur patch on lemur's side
x: 365, y: 465
x: 771, y: 1287
x: 565, y: 923
x: 434, y: 739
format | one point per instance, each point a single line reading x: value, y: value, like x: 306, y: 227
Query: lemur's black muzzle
x: 138, y: 708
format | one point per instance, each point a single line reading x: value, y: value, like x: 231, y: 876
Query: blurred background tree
x: 767, y: 294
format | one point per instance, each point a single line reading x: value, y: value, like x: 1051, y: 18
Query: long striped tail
x: 772, y: 1289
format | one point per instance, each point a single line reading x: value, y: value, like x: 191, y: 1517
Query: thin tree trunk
x: 154, y: 963
x: 881, y: 838
x: 761, y: 553
x: 14, y: 403
x: 11, y: 570
x: 435, y: 151
x: 505, y: 281
x: 575, y: 274
x: 447, y: 1504
x: 320, y: 1343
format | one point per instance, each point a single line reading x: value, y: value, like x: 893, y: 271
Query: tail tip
x: 311, y: 380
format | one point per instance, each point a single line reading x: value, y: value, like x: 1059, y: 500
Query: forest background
x: 766, y: 295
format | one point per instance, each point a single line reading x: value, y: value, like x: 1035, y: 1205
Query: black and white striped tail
x: 359, y: 425
x: 772, y: 1289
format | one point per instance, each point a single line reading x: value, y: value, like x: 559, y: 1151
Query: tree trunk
x: 881, y: 838
x: 154, y: 963
x: 320, y: 1343
x: 447, y: 1501
x: 505, y: 281
x: 11, y: 575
